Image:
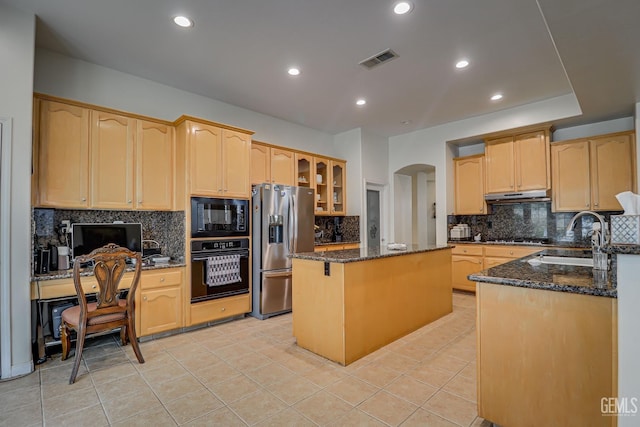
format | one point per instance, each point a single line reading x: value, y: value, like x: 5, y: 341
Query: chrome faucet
x: 599, y: 239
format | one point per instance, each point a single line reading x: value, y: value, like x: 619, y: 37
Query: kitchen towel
x: 223, y: 270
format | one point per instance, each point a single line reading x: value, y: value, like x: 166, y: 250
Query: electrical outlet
x: 65, y: 226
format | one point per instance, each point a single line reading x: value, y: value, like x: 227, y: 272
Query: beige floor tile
x: 234, y: 389
x: 216, y: 373
x: 192, y: 406
x: 376, y: 374
x: 176, y: 388
x: 101, y: 350
x: 220, y: 417
x: 20, y: 397
x: 248, y: 361
x: 470, y: 371
x: 61, y: 375
x: 154, y: 361
x: 94, y: 413
x: 286, y: 418
x: 113, y: 373
x: 156, y: 417
x: 325, y: 375
x: 125, y: 407
x: 388, y: 408
x: 415, y: 351
x: 293, y: 390
x: 257, y: 407
x: 323, y: 408
x: 410, y: 389
x: 302, y: 362
x: 271, y: 373
x: 479, y: 422
x: 352, y: 390
x: 124, y: 386
x: 464, y: 387
x: 172, y: 370
x: 20, y: 382
x: 430, y: 375
x: 447, y: 363
x: 397, y: 362
x: 422, y: 418
x: 71, y: 401
x: 233, y: 350
x: 105, y: 361
x: 24, y: 415
x: 452, y: 408
x: 357, y: 418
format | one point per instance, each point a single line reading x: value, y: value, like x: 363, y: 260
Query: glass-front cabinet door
x: 304, y: 173
x: 321, y: 183
x: 338, y: 202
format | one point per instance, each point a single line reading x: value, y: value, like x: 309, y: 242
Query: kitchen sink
x: 561, y: 260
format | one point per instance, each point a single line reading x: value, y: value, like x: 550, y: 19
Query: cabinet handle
x: 587, y: 205
x: 219, y: 189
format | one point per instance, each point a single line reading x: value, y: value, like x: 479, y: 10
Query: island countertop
x: 365, y: 253
x: 560, y: 278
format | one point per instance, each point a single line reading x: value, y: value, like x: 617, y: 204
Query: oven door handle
x: 204, y: 258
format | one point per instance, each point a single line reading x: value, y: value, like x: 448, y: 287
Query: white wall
x: 401, y: 216
x: 591, y: 129
x: 348, y: 146
x: 17, y: 38
x: 429, y: 146
x: 71, y: 78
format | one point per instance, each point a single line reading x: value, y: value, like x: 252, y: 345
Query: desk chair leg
x: 131, y: 332
x: 66, y: 341
x: 79, y: 348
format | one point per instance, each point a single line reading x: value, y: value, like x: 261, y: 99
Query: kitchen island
x: 349, y: 303
x: 546, y: 343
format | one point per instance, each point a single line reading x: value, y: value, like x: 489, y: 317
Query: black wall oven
x: 212, y: 217
x: 219, y: 268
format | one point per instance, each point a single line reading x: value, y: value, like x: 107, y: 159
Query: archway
x: 414, y: 204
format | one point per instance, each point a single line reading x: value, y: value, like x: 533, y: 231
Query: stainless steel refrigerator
x: 282, y: 223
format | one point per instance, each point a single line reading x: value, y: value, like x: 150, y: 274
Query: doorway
x: 414, y: 204
x: 374, y: 224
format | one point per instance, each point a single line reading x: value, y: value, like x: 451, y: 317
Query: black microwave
x: 212, y: 217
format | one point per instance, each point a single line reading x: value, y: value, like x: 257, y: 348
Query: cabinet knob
x: 464, y: 250
x: 144, y: 298
x: 129, y: 201
x: 510, y: 252
x: 162, y: 279
x: 219, y: 189
x: 139, y: 202
x: 595, y: 204
x: 93, y: 287
x: 84, y: 199
x: 222, y: 309
x: 587, y: 205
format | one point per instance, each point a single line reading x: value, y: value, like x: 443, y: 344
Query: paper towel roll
x: 630, y: 202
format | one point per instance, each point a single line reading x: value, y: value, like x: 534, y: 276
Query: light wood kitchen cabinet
x: 155, y: 169
x: 219, y: 160
x: 272, y: 164
x: 161, y: 301
x: 304, y: 170
x: 321, y: 185
x: 518, y: 162
x: 337, y: 189
x: 112, y: 163
x: 589, y: 172
x: 469, y: 185
x: 330, y: 186
x: 336, y: 247
x: 545, y: 355
x: 63, y: 155
x: 497, y: 254
x: 209, y: 311
x: 466, y: 259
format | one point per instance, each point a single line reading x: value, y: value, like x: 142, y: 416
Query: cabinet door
x: 303, y: 169
x: 236, y: 163
x: 205, y: 159
x: 338, y: 193
x: 461, y: 267
x: 493, y: 261
x: 282, y: 166
x: 499, y: 158
x: 320, y: 183
x: 154, y: 166
x: 112, y: 166
x: 160, y: 310
x: 63, y: 164
x: 570, y: 176
x: 469, y: 186
x: 612, y: 170
x: 260, y: 163
x: 532, y: 161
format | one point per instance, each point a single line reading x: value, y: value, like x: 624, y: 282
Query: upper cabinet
x: 272, y: 164
x: 91, y: 158
x: 330, y: 185
x: 303, y: 164
x: 589, y: 172
x: 219, y: 159
x: 321, y: 184
x: 469, y: 185
x: 338, y: 193
x: 63, y: 155
x: 518, y: 162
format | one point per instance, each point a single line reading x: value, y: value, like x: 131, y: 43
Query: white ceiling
x: 239, y: 50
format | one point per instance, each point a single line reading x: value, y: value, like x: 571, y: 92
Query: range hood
x: 519, y: 197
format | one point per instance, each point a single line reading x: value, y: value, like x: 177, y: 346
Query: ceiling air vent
x: 379, y: 58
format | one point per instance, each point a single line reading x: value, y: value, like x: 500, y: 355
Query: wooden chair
x: 109, y: 311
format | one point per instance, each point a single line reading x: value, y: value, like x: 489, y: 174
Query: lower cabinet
x: 336, y: 247
x: 210, y: 311
x: 465, y: 260
x: 161, y: 301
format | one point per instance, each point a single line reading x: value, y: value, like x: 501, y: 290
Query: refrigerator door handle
x: 290, y: 240
x: 294, y: 224
x: 271, y: 275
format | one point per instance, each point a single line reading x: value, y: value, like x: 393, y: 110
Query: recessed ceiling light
x: 293, y: 71
x: 360, y: 102
x: 463, y: 63
x: 402, y: 7
x: 496, y: 97
x: 183, y: 21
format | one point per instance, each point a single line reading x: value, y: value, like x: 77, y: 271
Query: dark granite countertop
x: 364, y: 254
x: 66, y: 274
x: 504, y: 243
x: 552, y: 277
x: 623, y: 249
x: 344, y: 242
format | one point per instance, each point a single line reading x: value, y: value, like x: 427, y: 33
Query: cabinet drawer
x: 509, y: 251
x: 209, y: 311
x: 161, y: 278
x: 475, y: 250
x: 59, y: 288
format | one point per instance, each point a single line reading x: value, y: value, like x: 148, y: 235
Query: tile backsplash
x: 166, y: 228
x: 528, y: 221
x: 337, y: 229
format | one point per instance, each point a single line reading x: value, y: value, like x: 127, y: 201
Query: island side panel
x: 387, y: 298
x: 545, y: 356
x: 318, y: 308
